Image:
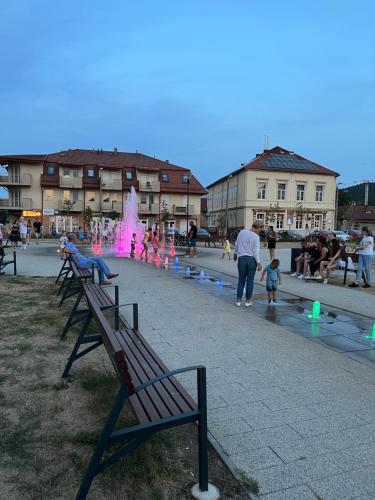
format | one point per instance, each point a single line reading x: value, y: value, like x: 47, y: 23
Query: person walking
x: 23, y: 232
x: 155, y: 242
x: 271, y: 240
x: 145, y: 240
x: 37, y: 229
x: 226, y: 248
x: 273, y: 279
x: 365, y: 255
x: 192, y: 240
x: 14, y: 234
x: 247, y: 252
x: 83, y: 262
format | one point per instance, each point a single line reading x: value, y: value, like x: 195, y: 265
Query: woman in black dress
x: 271, y: 238
x: 14, y: 234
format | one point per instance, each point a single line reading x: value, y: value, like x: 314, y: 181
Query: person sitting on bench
x: 83, y: 262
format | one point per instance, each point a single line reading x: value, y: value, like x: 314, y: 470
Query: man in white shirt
x: 23, y: 232
x: 246, y: 251
x: 365, y: 255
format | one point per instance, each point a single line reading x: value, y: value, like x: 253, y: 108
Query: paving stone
x: 325, y: 425
x: 255, y: 459
x: 221, y: 428
x: 293, y: 474
x: 338, y: 487
x: 355, y: 457
x: 297, y: 493
x: 265, y: 419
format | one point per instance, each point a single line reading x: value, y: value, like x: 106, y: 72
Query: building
x: 59, y: 187
x: 354, y: 217
x: 278, y: 187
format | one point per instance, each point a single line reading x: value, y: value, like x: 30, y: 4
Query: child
x: 81, y: 235
x: 63, y: 240
x: 133, y: 242
x: 273, y: 279
x: 155, y: 242
x: 226, y: 249
x: 145, y: 240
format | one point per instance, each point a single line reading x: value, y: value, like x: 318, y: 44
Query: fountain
x: 202, y: 275
x: 372, y: 336
x: 187, y: 272
x: 219, y: 283
x: 176, y: 261
x: 128, y: 225
x: 316, y: 310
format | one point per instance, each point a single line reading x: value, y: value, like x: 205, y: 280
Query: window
x: 114, y: 197
x: 185, y: 179
x: 300, y: 192
x: 90, y: 172
x: 49, y: 194
x: 261, y: 190
x: 106, y: 198
x: 319, y: 193
x: 299, y: 222
x: 75, y: 172
x: 66, y: 172
x: 165, y: 177
x: 260, y: 216
x: 281, y: 187
x: 66, y: 195
x: 75, y: 195
x: 280, y: 221
x: 143, y: 199
x: 129, y: 176
x: 90, y: 196
x: 50, y: 170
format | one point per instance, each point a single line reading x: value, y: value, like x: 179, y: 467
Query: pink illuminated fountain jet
x: 128, y: 225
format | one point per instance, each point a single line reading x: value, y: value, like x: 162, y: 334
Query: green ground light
x: 316, y: 309
x: 372, y: 336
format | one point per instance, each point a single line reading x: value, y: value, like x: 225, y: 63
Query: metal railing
x: 153, y: 186
x: 179, y: 210
x: 15, y: 180
x: 71, y: 182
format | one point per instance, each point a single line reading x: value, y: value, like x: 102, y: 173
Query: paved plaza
x: 291, y: 403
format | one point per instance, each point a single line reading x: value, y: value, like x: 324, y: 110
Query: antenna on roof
x: 266, y: 142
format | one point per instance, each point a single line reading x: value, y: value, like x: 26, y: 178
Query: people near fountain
x: 302, y: 261
x: 192, y: 240
x: 23, y: 232
x: 246, y: 250
x: 133, y: 243
x: 337, y: 252
x: 155, y: 242
x: 145, y: 241
x: 226, y: 248
x: 273, y: 280
x: 319, y: 254
x: 271, y: 242
x: 14, y: 234
x: 365, y: 253
x: 81, y: 236
x: 83, y: 262
x: 37, y: 230
x: 62, y: 242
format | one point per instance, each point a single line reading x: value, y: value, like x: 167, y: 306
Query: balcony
x: 109, y: 206
x: 70, y: 182
x: 152, y: 186
x: 178, y: 210
x: 77, y: 206
x: 22, y: 204
x: 112, y: 184
x: 49, y: 180
x: 144, y: 208
x: 15, y: 180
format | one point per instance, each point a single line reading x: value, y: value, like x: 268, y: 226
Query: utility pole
x: 187, y: 201
x: 100, y: 193
x: 226, y: 209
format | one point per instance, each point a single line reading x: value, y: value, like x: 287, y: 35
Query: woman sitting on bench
x: 83, y: 262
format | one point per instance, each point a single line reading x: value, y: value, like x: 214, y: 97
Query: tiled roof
x: 116, y: 159
x: 281, y: 159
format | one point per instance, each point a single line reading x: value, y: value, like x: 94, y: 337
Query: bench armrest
x: 121, y: 305
x: 169, y: 374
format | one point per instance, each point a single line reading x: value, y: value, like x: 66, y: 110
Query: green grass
x: 251, y: 484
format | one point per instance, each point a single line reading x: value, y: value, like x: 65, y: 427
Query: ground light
x: 372, y: 336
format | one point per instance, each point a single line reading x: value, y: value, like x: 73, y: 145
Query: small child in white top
x: 63, y: 240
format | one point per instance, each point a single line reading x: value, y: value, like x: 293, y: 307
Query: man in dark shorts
x: 192, y: 240
x: 37, y: 230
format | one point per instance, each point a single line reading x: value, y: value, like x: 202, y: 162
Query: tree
x: 344, y: 199
x: 164, y: 216
x: 113, y: 215
x: 88, y: 215
x: 67, y: 207
x: 221, y: 222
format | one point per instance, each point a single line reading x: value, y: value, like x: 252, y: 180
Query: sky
x: 199, y: 83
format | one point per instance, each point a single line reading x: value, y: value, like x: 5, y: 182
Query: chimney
x: 115, y: 150
x: 367, y: 184
x: 166, y: 161
x: 266, y: 142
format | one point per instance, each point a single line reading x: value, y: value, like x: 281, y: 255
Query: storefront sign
x: 31, y: 213
x: 50, y: 211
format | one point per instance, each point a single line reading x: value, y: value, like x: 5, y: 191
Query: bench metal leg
x: 94, y: 465
x: 70, y: 322
x: 63, y: 270
x: 73, y: 356
x: 64, y: 283
x: 202, y: 429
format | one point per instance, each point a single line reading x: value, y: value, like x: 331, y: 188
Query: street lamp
x: 187, y: 180
x: 337, y: 203
x: 226, y: 209
x: 100, y: 192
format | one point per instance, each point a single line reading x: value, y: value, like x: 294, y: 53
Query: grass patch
x: 249, y: 483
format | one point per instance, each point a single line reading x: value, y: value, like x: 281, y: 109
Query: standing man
x: 37, y: 229
x: 23, y: 232
x: 246, y: 251
x: 192, y: 240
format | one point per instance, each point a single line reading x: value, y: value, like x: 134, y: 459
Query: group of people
x: 21, y: 230
x: 318, y: 259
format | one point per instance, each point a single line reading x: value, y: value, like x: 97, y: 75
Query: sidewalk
x: 292, y: 414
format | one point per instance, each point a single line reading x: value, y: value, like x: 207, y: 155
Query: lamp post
x: 100, y: 193
x: 226, y: 209
x: 187, y: 177
x: 337, y: 204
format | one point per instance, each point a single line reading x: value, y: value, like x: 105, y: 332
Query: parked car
x: 289, y: 235
x: 203, y: 235
x: 320, y: 233
x: 342, y: 235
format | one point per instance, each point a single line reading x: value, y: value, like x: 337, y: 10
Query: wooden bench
x: 71, y: 284
x: 4, y: 263
x: 157, y: 399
